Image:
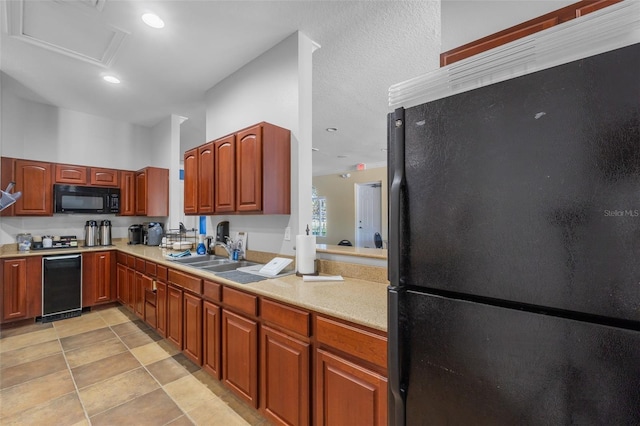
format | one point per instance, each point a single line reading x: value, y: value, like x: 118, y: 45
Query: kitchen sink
x: 213, y: 263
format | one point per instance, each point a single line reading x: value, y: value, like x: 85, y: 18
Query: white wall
x: 275, y: 87
x: 37, y: 131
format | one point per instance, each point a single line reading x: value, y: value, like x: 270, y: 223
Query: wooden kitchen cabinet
x: 142, y: 283
x: 225, y: 172
x: 98, y: 277
x: 21, y: 288
x: 211, y: 338
x: 127, y: 193
x: 122, y: 289
x: 240, y: 356
x: 191, y: 181
x: 152, y: 192
x: 103, y: 177
x: 161, y: 308
x: 70, y: 174
x: 34, y: 180
x: 192, y: 323
x: 174, y: 315
x: 350, y: 381
x: 205, y: 194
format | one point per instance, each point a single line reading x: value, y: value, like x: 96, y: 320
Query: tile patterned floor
x: 107, y: 367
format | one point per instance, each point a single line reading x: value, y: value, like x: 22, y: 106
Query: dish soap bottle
x: 201, y: 248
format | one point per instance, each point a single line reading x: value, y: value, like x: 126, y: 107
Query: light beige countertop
x: 359, y: 301
x: 352, y: 251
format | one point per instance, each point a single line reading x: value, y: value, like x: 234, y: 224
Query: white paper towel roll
x: 306, y: 254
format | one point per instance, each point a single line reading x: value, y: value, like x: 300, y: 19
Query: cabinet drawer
x: 185, y: 281
x: 240, y: 300
x: 150, y: 269
x: 140, y: 265
x: 161, y: 273
x: 290, y: 318
x: 121, y: 258
x: 131, y: 261
x: 71, y: 174
x: 360, y: 343
x: 211, y: 290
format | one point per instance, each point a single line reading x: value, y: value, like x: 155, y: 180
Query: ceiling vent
x: 65, y: 29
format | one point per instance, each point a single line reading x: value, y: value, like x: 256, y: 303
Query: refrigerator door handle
x: 396, y: 143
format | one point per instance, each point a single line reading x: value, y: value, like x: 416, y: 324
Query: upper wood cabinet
x: 524, y: 29
x: 191, y: 181
x: 103, y: 177
x: 246, y: 172
x: 74, y: 175
x: 152, y: 192
x: 34, y: 180
x: 225, y: 171
x: 127, y: 193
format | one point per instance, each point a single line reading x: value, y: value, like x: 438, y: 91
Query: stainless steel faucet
x: 226, y: 247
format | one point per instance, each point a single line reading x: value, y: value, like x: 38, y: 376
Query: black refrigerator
x: 514, y: 250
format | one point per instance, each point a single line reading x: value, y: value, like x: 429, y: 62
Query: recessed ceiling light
x: 111, y: 79
x: 153, y: 20
x: 342, y: 156
x: 331, y: 129
x: 315, y: 149
x: 383, y: 149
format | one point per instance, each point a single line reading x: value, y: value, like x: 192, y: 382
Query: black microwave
x: 85, y: 199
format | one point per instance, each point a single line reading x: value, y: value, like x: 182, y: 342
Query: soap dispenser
x: 201, y: 248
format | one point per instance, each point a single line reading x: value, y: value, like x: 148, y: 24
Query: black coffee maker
x: 222, y: 231
x: 135, y: 234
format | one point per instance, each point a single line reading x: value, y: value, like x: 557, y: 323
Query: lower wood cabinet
x: 192, y: 324
x: 284, y: 378
x: 211, y: 339
x: 98, y: 278
x: 174, y: 315
x: 161, y: 308
x: 347, y: 393
x: 240, y: 355
x: 21, y: 288
x: 142, y: 282
x: 122, y: 286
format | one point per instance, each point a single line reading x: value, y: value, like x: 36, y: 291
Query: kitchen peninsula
x: 330, y: 337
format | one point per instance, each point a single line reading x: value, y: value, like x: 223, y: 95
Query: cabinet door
x: 33, y: 178
x: 211, y: 339
x: 103, y: 177
x: 191, y: 181
x: 141, y: 193
x: 284, y: 386
x: 127, y: 193
x: 14, y: 289
x: 225, y: 175
x: 192, y: 323
x: 96, y: 278
x: 240, y: 356
x: 174, y: 315
x: 347, y: 393
x: 161, y: 308
x: 205, y: 179
x: 249, y: 170
x: 75, y: 175
x: 131, y: 284
x: 122, y: 287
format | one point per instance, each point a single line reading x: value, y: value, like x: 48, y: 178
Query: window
x: 319, y: 214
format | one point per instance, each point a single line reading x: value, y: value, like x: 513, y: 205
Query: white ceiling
x: 366, y: 46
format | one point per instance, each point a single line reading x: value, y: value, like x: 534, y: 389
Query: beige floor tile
x: 215, y: 413
x: 109, y: 393
x: 77, y: 325
x: 139, y: 338
x: 113, y: 316
x: 181, y: 421
x: 34, y: 392
x: 86, y: 339
x: 30, y: 353
x: 21, y: 373
x: 97, y: 371
x: 189, y: 393
x: 100, y: 350
x: 154, y: 408
x: 23, y: 340
x: 149, y: 353
x: 167, y: 370
x: 65, y: 410
x: 129, y: 327
x: 11, y: 330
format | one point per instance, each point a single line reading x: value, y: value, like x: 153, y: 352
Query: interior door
x: 368, y: 213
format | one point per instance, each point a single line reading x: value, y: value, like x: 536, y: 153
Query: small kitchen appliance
x: 135, y: 234
x: 222, y: 231
x: 105, y: 233
x: 152, y: 233
x: 90, y: 234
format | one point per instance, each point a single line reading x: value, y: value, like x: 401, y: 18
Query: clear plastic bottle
x: 201, y: 248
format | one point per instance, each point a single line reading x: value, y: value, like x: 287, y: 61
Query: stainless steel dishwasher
x: 61, y: 287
